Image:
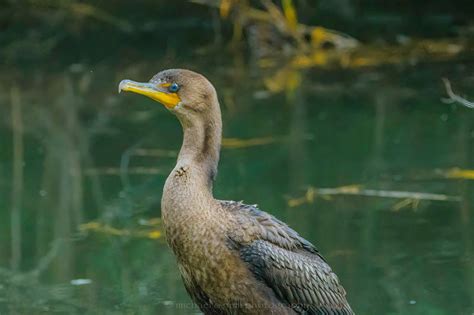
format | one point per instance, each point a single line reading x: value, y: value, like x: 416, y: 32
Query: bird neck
x: 201, y: 146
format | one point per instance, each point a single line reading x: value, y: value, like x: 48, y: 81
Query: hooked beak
x: 153, y: 91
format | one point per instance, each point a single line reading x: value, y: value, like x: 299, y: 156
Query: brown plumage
x: 234, y: 258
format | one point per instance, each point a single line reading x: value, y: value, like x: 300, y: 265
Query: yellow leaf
x: 309, y: 198
x: 224, y: 8
x: 295, y: 202
x: 290, y: 14
x: 287, y: 79
x: 109, y: 230
x: 459, y: 173
x: 93, y: 225
x: 319, y: 35
x: 302, y: 61
x: 236, y: 143
x: 154, y: 234
x: 350, y: 189
x: 320, y: 58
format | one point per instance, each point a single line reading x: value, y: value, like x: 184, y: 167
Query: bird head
x: 185, y: 93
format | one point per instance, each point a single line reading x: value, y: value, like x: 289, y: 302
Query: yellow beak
x: 157, y: 93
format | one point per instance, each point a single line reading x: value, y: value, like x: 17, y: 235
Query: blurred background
x: 347, y: 119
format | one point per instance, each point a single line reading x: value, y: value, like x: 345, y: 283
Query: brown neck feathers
x: 202, y: 143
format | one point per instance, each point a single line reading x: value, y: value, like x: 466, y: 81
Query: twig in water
x: 95, y: 226
x: 405, y: 203
x: 139, y: 170
x: 358, y: 190
x: 236, y: 143
x: 155, y: 152
x: 454, y: 98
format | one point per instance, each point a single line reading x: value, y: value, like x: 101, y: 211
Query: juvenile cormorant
x: 233, y: 257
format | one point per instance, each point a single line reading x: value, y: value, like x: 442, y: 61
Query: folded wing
x: 287, y: 263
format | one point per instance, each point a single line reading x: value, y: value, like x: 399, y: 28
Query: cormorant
x: 233, y: 257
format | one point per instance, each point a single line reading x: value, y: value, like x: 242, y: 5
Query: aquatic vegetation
x: 283, y: 47
x: 277, y: 30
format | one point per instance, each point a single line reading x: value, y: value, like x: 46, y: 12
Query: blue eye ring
x: 173, y: 88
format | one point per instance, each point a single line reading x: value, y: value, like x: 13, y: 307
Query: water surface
x: 83, y: 168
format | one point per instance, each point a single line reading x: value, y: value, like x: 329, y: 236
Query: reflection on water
x: 82, y: 172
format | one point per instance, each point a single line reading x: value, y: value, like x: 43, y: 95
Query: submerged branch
x: 357, y: 190
x: 124, y: 170
x: 454, y: 98
x: 236, y: 143
x: 227, y: 143
x: 131, y: 171
x: 155, y: 152
x: 98, y: 227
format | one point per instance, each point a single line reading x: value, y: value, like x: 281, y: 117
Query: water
x: 81, y: 185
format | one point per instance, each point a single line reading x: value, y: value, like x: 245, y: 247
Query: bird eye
x: 174, y: 87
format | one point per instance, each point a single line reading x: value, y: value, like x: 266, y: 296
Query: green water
x: 70, y: 154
